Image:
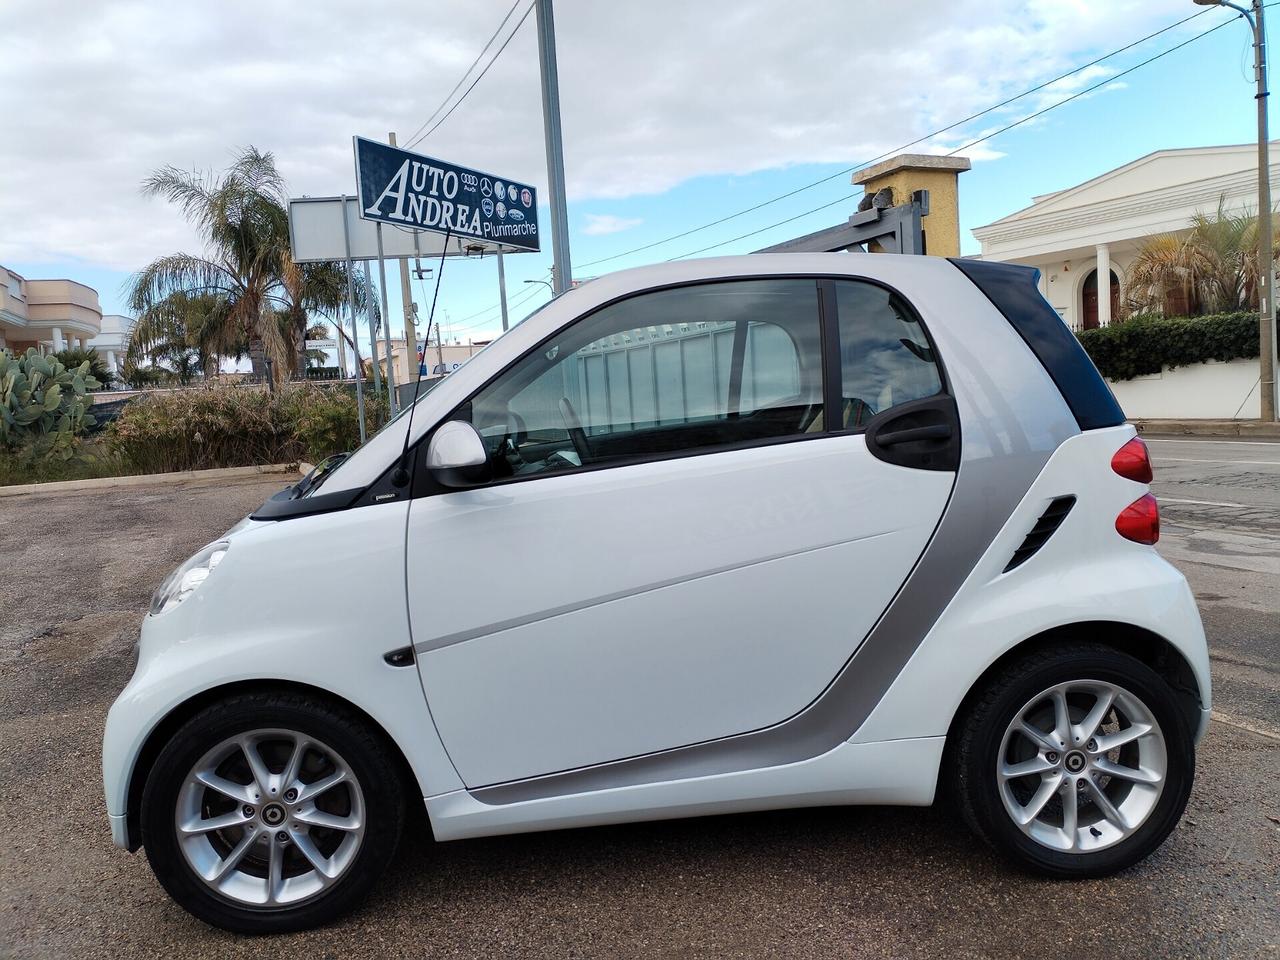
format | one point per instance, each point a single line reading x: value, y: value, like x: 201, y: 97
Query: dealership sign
x: 409, y: 190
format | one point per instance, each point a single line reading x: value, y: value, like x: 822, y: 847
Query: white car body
x: 559, y: 688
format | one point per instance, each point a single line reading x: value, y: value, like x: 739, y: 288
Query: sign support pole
x: 502, y: 290
x: 373, y: 329
x: 406, y: 297
x: 386, y: 327
x: 355, y: 341
x: 563, y: 278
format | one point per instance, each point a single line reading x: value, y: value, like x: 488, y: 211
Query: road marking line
x: 1261, y: 463
x: 1247, y: 443
x: 1217, y: 503
x: 1244, y: 725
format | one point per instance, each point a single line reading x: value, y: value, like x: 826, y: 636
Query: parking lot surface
x: 860, y: 882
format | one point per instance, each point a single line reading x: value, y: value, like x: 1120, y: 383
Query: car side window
x: 885, y: 357
x: 690, y: 368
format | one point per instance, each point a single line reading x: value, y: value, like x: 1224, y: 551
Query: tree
x: 187, y: 332
x: 245, y: 286
x: 1211, y: 269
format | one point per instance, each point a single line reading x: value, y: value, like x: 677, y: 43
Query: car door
x: 687, y: 534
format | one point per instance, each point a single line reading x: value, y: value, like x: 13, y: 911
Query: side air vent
x: 1045, y: 527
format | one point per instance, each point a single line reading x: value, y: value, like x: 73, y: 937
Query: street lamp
x: 1266, y: 309
x: 545, y: 284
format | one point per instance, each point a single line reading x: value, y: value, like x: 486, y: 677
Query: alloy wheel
x: 1081, y: 766
x: 270, y: 818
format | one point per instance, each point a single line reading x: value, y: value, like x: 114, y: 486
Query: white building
x: 1095, y: 229
x: 112, y: 341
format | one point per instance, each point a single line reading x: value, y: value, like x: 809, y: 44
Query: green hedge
x: 1147, y: 343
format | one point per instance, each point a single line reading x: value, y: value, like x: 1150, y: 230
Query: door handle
x: 937, y: 431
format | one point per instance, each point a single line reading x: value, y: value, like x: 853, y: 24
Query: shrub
x: 43, y: 407
x: 1147, y: 343
x: 72, y: 357
x: 234, y: 426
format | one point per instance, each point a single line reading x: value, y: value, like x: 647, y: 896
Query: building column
x: 1104, y: 285
x: 58, y: 342
x: 111, y: 360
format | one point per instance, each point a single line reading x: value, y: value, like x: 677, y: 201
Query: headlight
x: 187, y: 578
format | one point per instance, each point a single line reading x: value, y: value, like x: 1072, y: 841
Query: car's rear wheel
x: 269, y: 813
x: 1076, y: 761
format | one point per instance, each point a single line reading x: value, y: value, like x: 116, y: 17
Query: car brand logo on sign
x: 408, y: 189
x: 514, y: 214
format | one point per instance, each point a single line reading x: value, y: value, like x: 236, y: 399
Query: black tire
x: 363, y: 750
x: 979, y: 732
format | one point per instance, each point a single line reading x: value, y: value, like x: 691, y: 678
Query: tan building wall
x: 46, y: 314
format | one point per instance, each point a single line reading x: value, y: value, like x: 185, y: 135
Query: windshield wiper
x: 318, y: 475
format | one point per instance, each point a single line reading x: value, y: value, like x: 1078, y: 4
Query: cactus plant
x: 43, y: 404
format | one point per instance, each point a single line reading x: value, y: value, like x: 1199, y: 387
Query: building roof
x: 1153, y: 194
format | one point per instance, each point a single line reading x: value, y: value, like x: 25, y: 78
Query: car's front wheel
x: 270, y: 813
x: 1076, y: 761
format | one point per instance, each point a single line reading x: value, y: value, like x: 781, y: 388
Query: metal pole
x: 373, y: 330
x: 555, y: 148
x: 355, y: 340
x: 502, y: 290
x: 1266, y: 267
x: 386, y: 328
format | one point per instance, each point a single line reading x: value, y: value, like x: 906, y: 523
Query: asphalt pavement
x: 861, y: 882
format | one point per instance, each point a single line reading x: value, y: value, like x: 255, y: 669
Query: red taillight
x: 1140, y: 520
x: 1132, y: 461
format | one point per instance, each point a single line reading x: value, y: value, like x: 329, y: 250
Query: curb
x: 1210, y: 428
x: 138, y: 480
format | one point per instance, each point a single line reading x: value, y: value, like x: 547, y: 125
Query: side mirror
x: 456, y: 455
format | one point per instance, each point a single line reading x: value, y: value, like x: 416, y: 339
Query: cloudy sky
x: 675, y: 113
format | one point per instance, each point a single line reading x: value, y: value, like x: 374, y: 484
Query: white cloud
x: 100, y: 94
x: 599, y: 224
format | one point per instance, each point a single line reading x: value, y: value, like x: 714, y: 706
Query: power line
x: 462, y: 79
x: 479, y: 76
x: 982, y: 139
x: 514, y: 302
x: 896, y: 150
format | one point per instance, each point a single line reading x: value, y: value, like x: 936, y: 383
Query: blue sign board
x: 411, y: 190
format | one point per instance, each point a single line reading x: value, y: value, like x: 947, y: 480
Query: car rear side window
x: 689, y: 368
x: 885, y: 357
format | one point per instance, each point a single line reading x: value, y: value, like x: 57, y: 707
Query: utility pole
x: 1266, y: 264
x: 555, y: 147
x: 406, y: 298
x: 373, y: 329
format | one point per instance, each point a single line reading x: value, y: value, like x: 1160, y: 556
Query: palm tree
x: 245, y: 287
x: 1211, y: 269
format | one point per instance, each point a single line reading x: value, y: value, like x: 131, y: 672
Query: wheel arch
x: 184, y: 711
x: 1140, y: 643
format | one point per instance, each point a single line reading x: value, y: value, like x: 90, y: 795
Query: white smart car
x: 713, y: 536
